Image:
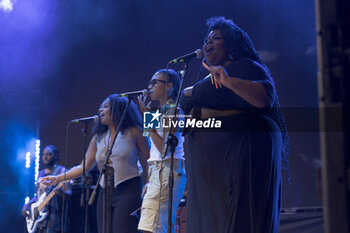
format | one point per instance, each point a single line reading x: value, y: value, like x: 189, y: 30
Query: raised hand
x: 219, y: 75
x: 142, y: 102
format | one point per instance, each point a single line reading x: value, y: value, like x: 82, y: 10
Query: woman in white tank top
x: 130, y: 148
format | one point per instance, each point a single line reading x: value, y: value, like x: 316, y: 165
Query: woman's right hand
x: 142, y: 102
x: 48, y: 180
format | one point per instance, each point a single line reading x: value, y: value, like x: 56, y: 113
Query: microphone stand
x: 172, y: 141
x: 85, y: 182
x: 108, y: 172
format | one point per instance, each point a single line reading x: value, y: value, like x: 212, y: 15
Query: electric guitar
x: 38, y: 212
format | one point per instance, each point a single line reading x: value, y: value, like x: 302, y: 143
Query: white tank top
x: 155, y: 155
x: 124, y: 157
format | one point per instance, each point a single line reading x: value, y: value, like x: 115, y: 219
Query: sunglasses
x: 154, y: 81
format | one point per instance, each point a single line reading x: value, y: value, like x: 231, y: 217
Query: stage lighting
x: 28, y: 160
x: 37, y: 160
x: 6, y: 5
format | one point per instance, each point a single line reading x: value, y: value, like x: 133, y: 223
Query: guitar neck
x: 50, y: 196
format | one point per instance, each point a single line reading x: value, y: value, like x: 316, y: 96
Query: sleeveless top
x: 155, y: 155
x: 124, y: 157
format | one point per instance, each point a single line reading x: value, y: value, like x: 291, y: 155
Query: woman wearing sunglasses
x: 163, y: 88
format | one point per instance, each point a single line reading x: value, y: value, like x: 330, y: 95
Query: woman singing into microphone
x: 234, y: 173
x: 130, y: 146
x: 163, y: 87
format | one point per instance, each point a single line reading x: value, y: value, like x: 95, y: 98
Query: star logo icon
x: 156, y: 115
x: 151, y: 120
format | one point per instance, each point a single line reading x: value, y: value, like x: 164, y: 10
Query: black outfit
x: 52, y: 223
x: 234, y: 173
x: 125, y: 199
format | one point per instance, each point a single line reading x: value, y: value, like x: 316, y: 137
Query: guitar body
x: 36, y: 215
x: 38, y: 211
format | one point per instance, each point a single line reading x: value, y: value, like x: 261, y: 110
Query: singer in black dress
x: 234, y: 173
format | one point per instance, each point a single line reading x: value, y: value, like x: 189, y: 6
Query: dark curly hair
x: 117, y: 106
x: 237, y: 42
x: 174, y: 78
x: 239, y: 46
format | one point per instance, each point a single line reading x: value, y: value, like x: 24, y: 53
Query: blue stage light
x: 6, y: 5
x: 37, y: 160
x: 28, y: 159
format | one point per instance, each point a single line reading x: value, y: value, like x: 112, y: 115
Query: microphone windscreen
x: 199, y: 53
x: 96, y: 118
x: 145, y: 92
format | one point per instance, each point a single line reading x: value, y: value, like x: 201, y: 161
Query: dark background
x: 60, y: 59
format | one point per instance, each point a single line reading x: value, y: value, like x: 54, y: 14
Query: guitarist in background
x: 52, y: 223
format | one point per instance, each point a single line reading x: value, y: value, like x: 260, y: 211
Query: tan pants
x: 154, y: 211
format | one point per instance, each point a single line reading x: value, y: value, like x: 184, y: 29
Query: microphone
x: 92, y: 118
x: 198, y: 54
x: 132, y: 93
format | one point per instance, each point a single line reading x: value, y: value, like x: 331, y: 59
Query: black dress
x: 234, y: 173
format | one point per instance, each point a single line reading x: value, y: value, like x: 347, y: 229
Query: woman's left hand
x: 220, y: 74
